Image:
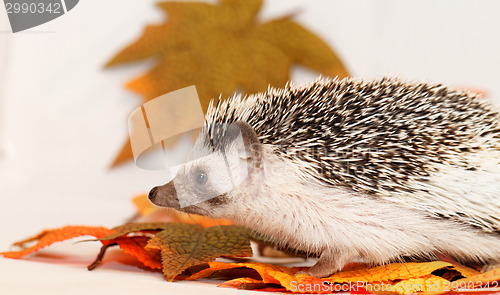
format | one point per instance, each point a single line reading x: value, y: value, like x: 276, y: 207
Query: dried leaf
x: 171, y: 246
x: 409, y: 273
x: 48, y: 237
x: 175, y: 247
x: 186, y: 245
x: 483, y: 278
x: 136, y: 246
x: 252, y: 284
x: 128, y: 228
x: 429, y: 284
x: 221, y: 48
x: 464, y: 270
x: 261, y: 268
x: 237, y: 282
x: 400, y: 271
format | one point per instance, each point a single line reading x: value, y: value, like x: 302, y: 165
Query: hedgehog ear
x: 248, y: 144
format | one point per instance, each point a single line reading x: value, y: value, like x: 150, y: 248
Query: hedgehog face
x: 209, y: 183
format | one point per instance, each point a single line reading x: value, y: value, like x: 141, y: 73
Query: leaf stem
x: 100, y: 256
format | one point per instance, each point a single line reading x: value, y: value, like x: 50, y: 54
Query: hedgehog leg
x: 328, y: 263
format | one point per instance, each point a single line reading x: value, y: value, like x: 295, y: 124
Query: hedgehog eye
x: 200, y: 177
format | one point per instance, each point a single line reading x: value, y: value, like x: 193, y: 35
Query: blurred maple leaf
x: 221, y: 48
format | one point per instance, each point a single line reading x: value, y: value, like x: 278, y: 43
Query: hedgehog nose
x: 152, y: 193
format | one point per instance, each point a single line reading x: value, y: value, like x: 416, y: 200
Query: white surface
x: 63, y: 118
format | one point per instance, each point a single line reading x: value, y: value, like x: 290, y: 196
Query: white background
x: 63, y: 118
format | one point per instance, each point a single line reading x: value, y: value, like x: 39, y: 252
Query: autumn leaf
x: 173, y: 247
x: 252, y: 284
x: 270, y: 274
x: 398, y: 278
x: 464, y: 270
x: 186, y: 245
x: 428, y: 284
x: 178, y: 247
x: 134, y: 246
x: 482, y: 279
x: 49, y: 237
x: 221, y: 48
x: 401, y: 271
x: 128, y: 228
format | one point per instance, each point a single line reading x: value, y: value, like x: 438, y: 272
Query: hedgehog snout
x: 152, y: 193
x: 164, y: 196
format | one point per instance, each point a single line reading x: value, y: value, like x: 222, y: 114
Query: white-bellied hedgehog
x: 348, y: 169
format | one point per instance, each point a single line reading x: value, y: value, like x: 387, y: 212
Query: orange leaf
x: 464, y: 270
x: 303, y: 284
x: 135, y: 246
x: 266, y: 271
x: 413, y: 276
x: 270, y: 274
x: 214, y: 267
x: 400, y: 271
x: 237, y: 282
x: 251, y: 284
x: 429, y: 284
x: 48, y: 237
x: 482, y: 279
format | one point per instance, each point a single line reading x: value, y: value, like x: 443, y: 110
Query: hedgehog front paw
x: 319, y: 272
x: 327, y: 265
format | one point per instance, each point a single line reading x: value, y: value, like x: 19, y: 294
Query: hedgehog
x: 347, y: 169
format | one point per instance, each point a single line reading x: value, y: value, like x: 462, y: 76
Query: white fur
x: 452, y: 189
x: 343, y: 225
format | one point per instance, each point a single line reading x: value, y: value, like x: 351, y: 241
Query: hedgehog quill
x: 349, y: 169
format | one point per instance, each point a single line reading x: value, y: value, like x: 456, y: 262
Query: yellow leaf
x: 429, y: 284
x: 481, y: 280
x: 400, y: 271
x: 464, y: 270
